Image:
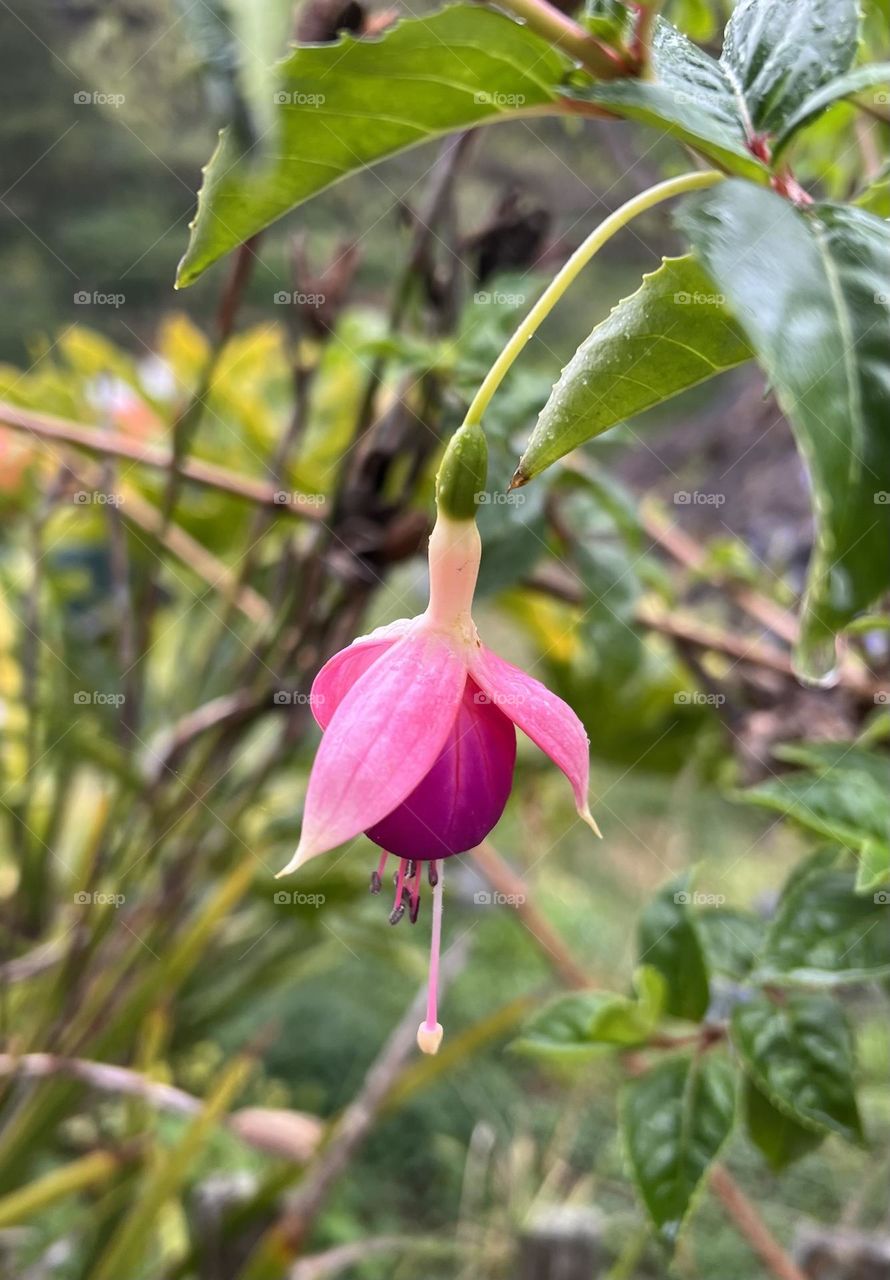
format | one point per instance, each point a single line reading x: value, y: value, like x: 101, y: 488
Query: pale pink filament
x: 435, y: 943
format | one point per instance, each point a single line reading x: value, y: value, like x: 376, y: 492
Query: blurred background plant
x: 207, y: 1074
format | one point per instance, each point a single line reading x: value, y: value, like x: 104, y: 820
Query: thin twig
x: 749, y: 1224
x: 103, y: 1076
x: 743, y: 1214
x: 222, y: 712
x: 503, y: 879
x: 121, y: 595
x: 186, y: 423
x: 320, y: 1266
x: 690, y: 630
x: 566, y: 34
x: 350, y: 1130
x: 21, y: 968
x: 288, y: 1134
x: 692, y: 556
x: 451, y: 154
x: 46, y: 429
x: 138, y: 511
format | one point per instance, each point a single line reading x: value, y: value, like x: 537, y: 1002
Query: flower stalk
x: 569, y: 272
x: 566, y: 34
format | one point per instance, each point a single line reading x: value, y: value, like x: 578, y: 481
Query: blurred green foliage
x: 156, y: 737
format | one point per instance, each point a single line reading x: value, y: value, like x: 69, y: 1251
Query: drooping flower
x: 420, y: 720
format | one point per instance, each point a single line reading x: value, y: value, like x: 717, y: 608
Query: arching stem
x: 694, y: 181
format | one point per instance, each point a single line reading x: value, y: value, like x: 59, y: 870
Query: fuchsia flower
x: 419, y: 742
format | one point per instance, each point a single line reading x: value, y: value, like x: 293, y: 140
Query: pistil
x: 429, y: 1033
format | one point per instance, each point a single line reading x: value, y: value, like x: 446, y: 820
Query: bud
x: 462, y: 473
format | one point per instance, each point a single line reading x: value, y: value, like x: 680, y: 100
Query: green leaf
x: 844, y: 793
x: 800, y: 1054
x: 668, y: 940
x: 695, y: 17
x: 344, y: 106
x: 845, y: 756
x: 779, y: 1139
x: 874, y: 868
x: 611, y: 20
x: 779, y: 52
x: 777, y: 55
x: 844, y: 86
x: 573, y: 1026
x: 672, y: 334
x: 824, y: 932
x: 238, y: 41
x: 731, y: 939
x: 810, y: 291
x: 561, y: 1030
x: 691, y: 97
x: 875, y: 198
x: 674, y: 1120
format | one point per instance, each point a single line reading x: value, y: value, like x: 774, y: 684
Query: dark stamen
x: 432, y: 874
x: 398, y: 909
x: 415, y: 909
x: 376, y: 883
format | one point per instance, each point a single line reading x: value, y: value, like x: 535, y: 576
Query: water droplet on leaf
x: 815, y: 661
